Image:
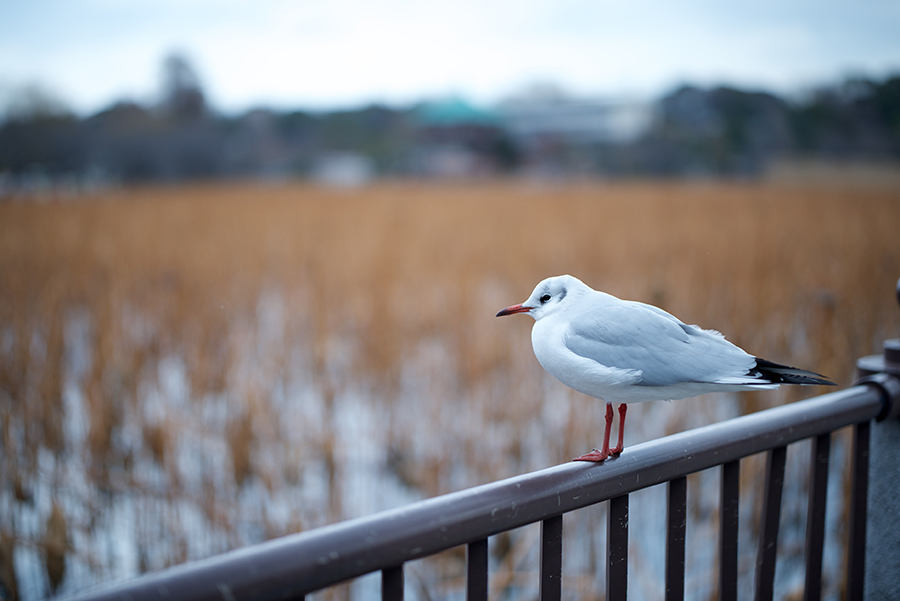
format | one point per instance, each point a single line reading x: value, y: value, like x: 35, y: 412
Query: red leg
x: 622, y: 409
x: 602, y: 454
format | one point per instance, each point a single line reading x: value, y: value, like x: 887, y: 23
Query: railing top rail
x: 298, y: 564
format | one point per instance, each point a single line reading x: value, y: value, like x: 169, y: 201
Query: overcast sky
x: 340, y: 53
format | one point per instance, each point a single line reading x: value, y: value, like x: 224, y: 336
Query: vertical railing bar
x: 551, y: 559
x: 815, y: 516
x: 392, y: 584
x: 856, y: 540
x: 766, y: 554
x: 675, y: 534
x: 477, y: 570
x: 729, y: 507
x: 617, y: 548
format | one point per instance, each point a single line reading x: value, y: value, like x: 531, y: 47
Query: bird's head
x: 548, y: 297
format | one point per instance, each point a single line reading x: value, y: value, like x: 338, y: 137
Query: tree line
x: 718, y: 131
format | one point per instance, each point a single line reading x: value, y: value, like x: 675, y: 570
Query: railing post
x: 551, y: 559
x: 729, y: 523
x: 882, y: 529
x: 859, y: 489
x: 677, y: 518
x: 767, y: 552
x: 392, y: 584
x: 617, y: 548
x: 882, y: 540
x: 477, y: 570
x: 815, y: 516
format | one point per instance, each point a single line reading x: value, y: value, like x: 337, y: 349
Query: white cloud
x: 348, y: 51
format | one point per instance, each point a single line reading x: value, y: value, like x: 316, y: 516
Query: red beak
x: 513, y: 309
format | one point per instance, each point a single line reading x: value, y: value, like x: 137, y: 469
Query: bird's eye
x: 545, y: 298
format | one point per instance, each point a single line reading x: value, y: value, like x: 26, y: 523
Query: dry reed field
x: 185, y: 370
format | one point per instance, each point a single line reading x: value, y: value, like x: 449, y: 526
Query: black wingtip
x: 785, y: 374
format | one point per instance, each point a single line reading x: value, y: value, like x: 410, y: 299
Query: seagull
x: 624, y: 352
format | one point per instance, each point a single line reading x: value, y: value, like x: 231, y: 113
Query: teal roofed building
x: 458, y: 139
x: 452, y: 112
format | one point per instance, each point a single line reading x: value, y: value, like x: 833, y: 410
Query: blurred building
x: 546, y: 111
x: 457, y: 140
x: 343, y: 169
x: 558, y: 134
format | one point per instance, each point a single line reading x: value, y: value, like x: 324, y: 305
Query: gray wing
x: 667, y: 351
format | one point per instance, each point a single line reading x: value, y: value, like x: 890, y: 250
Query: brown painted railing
x: 294, y: 566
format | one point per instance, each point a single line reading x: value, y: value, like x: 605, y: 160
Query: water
x: 299, y: 437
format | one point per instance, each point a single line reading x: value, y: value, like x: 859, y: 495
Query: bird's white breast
x: 584, y: 375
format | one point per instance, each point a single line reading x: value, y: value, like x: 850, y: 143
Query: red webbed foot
x: 595, y: 456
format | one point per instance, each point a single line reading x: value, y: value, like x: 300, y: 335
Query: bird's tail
x: 783, y: 374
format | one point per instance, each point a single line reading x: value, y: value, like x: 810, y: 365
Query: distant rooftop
x: 454, y: 111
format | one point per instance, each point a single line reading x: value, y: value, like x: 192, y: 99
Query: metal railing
x: 294, y: 566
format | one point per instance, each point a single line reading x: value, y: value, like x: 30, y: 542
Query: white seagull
x: 628, y: 352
